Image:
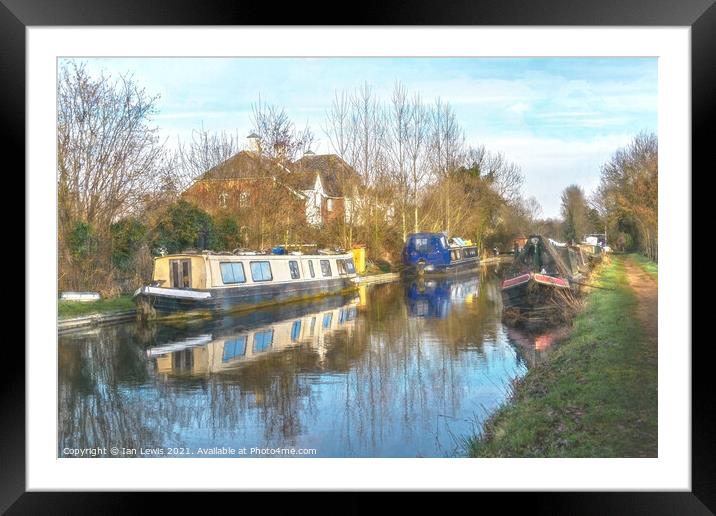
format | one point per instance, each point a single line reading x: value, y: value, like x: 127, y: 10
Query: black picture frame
x: 700, y: 15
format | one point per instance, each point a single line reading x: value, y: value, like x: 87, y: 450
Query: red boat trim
x: 551, y: 280
x: 517, y: 280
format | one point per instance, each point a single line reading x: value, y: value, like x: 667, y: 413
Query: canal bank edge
x: 97, y: 319
x: 595, y: 395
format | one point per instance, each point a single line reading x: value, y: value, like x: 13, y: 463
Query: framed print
x: 418, y: 256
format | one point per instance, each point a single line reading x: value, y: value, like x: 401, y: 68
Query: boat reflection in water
x: 244, y: 341
x: 534, y: 347
x: 432, y: 298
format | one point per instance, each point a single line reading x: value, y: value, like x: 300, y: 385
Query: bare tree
x: 107, y: 152
x: 280, y: 139
x: 417, y: 146
x: 446, y: 142
x: 109, y: 161
x: 338, y: 128
x: 398, y: 128
x: 205, y: 151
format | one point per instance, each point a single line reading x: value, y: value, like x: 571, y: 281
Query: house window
x: 329, y: 204
x: 223, y: 197
x: 234, y: 348
x: 261, y: 271
x: 310, y: 268
x: 244, y: 199
x: 295, y: 274
x: 296, y: 331
x: 326, y: 268
x: 232, y: 272
x: 180, y: 273
x: 263, y: 340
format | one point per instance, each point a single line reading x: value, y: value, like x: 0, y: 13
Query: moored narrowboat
x: 433, y: 253
x: 206, y: 283
x: 537, y: 274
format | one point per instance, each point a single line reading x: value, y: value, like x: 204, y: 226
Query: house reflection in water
x: 228, y: 349
x: 433, y: 298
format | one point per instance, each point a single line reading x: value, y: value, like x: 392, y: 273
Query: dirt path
x: 645, y: 288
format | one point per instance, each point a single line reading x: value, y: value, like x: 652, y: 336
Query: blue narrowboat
x: 434, y: 253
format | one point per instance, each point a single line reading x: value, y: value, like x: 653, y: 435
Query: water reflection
x: 433, y: 297
x: 400, y: 370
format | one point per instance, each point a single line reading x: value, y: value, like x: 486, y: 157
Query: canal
x: 404, y: 369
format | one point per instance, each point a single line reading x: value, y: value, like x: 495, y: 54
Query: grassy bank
x: 645, y: 263
x: 67, y: 309
x: 594, y: 396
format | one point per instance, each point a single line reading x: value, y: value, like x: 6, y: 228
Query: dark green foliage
x: 127, y: 237
x: 81, y: 240
x: 227, y: 232
x: 184, y: 226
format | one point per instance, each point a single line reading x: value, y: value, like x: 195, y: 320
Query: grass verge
x: 68, y: 309
x: 594, y: 396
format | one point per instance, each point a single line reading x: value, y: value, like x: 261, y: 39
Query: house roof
x: 244, y: 165
x: 335, y: 173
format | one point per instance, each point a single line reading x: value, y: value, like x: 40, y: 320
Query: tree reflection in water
x: 403, y: 370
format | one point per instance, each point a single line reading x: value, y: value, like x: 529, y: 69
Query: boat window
x: 310, y: 268
x: 234, y: 348
x: 296, y: 330
x: 326, y: 268
x: 232, y: 272
x: 263, y: 340
x: 327, y: 318
x: 261, y: 271
x: 293, y: 265
x: 421, y: 244
x: 341, y: 267
x: 443, y: 242
x: 350, y: 268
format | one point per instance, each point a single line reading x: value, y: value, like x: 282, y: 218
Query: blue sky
x: 559, y: 119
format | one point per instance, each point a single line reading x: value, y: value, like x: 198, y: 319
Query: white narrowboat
x: 205, y: 283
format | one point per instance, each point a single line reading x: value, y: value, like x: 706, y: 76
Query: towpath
x: 646, y: 289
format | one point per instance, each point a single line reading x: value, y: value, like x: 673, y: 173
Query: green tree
x: 127, y: 237
x: 575, y: 212
x: 227, y: 233
x: 184, y: 226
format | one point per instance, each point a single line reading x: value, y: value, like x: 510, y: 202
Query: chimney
x: 254, y: 141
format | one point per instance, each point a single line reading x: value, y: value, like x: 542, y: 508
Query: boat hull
x: 531, y: 290
x: 436, y: 270
x: 157, y: 302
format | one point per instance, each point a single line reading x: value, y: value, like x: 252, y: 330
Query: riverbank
x: 595, y: 395
x: 71, y: 309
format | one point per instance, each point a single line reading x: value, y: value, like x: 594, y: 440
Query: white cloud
x: 551, y: 164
